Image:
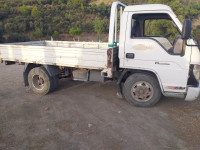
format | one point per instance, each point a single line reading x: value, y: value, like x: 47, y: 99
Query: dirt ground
x: 89, y: 116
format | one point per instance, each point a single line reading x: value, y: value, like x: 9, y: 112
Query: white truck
x: 145, y: 66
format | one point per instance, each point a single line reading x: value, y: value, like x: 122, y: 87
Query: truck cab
x: 171, y: 56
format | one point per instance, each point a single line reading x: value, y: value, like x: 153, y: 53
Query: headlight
x: 196, y: 72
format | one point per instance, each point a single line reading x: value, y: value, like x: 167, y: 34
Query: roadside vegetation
x: 23, y: 20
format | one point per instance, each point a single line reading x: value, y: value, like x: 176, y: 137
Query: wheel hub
x: 142, y: 91
x: 38, y: 82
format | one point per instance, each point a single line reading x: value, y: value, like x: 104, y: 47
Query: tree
x: 190, y: 10
x: 102, y: 8
x: 75, y: 32
x: 61, y: 1
x: 82, y: 7
x: 39, y: 2
x: 31, y: 25
x: 10, y: 27
x: 68, y: 16
x: 196, y: 33
x: 54, y: 1
x: 16, y: 37
x: 3, y: 14
x: 98, y: 27
x: 35, y: 13
x: 77, y: 2
x: 5, y: 6
x: 150, y: 2
x: 23, y: 2
x: 49, y: 30
x: 38, y: 33
x: 24, y: 10
x: 56, y: 34
x: 2, y: 31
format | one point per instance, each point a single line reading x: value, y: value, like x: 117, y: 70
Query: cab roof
x: 148, y: 7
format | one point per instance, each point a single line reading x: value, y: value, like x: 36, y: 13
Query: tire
x: 40, y: 81
x: 142, y: 90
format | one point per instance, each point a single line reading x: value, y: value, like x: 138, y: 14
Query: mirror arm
x: 198, y: 45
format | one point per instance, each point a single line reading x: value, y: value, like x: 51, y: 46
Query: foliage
x: 2, y: 31
x: 5, y: 6
x: 55, y: 34
x: 102, y: 8
x: 68, y: 16
x: 196, y: 33
x: 23, y: 2
x: 38, y: 33
x: 10, y: 27
x: 24, y: 10
x: 77, y: 2
x: 82, y: 7
x: 62, y: 16
x: 98, y: 27
x: 16, y: 37
x: 75, y: 31
x: 35, y: 13
x: 160, y: 27
x: 39, y: 2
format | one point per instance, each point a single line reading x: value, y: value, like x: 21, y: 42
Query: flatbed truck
x: 144, y: 66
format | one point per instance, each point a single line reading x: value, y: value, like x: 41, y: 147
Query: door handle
x: 130, y: 55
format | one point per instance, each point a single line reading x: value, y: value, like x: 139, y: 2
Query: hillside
x: 22, y: 20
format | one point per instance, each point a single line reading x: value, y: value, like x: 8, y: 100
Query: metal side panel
x: 91, y: 58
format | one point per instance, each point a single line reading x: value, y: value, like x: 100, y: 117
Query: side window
x: 160, y: 28
x: 135, y: 28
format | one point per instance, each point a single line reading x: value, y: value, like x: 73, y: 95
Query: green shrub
x: 24, y: 10
x: 56, y: 34
x: 35, y: 13
x: 98, y: 27
x: 38, y: 33
x: 75, y: 32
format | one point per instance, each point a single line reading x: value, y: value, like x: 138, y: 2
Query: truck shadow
x: 108, y: 91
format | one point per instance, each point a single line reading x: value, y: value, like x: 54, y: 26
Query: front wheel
x: 142, y: 90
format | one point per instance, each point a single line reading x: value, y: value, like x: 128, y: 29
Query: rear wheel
x: 40, y: 81
x: 142, y: 90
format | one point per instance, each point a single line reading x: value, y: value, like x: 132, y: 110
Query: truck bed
x: 89, y: 55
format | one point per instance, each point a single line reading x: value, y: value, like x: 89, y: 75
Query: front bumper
x: 193, y: 93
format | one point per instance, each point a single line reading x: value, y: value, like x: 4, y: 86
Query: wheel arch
x: 127, y: 72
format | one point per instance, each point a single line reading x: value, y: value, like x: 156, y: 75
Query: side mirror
x: 186, y: 31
